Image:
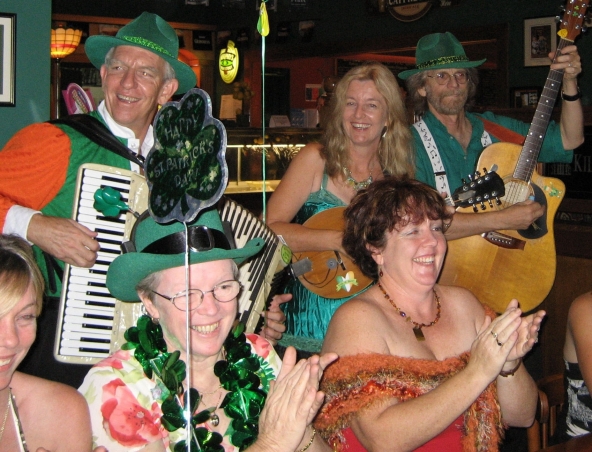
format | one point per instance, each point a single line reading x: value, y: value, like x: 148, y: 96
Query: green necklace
x: 241, y: 374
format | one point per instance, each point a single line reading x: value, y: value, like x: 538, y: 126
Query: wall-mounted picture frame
x: 525, y: 97
x: 540, y: 38
x: 7, y: 59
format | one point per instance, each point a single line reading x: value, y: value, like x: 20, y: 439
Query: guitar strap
x: 500, y: 132
x: 97, y: 132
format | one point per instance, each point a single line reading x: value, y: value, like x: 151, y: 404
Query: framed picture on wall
x: 540, y: 38
x: 526, y: 97
x: 7, y: 59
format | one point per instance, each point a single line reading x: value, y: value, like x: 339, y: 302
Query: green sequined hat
x: 155, y: 247
x: 439, y: 51
x: 151, y: 32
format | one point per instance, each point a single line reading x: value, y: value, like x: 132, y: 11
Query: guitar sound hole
x: 516, y: 191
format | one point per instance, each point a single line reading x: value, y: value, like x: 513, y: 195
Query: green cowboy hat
x: 439, y: 51
x: 150, y: 32
x: 156, y: 247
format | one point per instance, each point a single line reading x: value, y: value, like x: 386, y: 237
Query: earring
x: 155, y: 320
x: 384, y: 131
x: 380, y: 274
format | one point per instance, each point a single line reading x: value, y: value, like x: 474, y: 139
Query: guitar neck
x: 536, y: 134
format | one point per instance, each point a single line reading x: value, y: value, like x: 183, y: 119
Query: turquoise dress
x: 308, y: 314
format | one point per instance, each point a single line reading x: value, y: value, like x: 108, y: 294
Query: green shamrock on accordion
x: 186, y: 169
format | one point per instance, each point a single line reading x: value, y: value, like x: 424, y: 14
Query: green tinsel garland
x: 241, y: 374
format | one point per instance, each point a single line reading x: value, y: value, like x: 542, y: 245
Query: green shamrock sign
x: 186, y: 169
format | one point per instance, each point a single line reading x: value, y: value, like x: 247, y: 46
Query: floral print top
x: 125, y: 406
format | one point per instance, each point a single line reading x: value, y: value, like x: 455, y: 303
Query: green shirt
x: 459, y: 164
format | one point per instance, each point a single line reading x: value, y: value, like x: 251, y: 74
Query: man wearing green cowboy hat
x: 38, y: 166
x: 449, y: 138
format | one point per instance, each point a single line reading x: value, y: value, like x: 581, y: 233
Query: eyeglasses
x: 224, y: 292
x: 442, y: 78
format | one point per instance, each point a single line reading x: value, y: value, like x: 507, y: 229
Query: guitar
x: 500, y: 265
x: 331, y: 274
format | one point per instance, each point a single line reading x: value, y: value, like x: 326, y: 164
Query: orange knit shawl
x: 357, y: 382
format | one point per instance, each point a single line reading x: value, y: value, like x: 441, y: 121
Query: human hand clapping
x: 292, y: 402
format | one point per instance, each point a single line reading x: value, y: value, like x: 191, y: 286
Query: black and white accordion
x: 91, y: 322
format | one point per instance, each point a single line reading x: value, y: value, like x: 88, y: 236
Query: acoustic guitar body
x: 333, y: 275
x: 502, y: 265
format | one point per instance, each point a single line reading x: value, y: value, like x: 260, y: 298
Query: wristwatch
x: 571, y: 98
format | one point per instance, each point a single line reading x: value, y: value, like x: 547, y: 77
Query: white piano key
x: 95, y: 174
x: 72, y: 319
x: 78, y: 336
x: 82, y: 304
x: 89, y: 182
x: 84, y: 289
x: 98, y: 221
x: 85, y: 329
x: 89, y: 314
x: 84, y: 297
x: 68, y: 343
x: 88, y: 281
x: 89, y: 271
x: 65, y: 351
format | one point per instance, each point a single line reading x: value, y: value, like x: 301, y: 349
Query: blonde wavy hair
x: 395, y: 149
x: 18, y: 269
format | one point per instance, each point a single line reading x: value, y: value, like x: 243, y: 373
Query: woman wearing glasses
x: 137, y: 396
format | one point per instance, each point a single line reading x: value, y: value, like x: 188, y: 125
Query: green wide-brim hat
x: 160, y: 247
x: 439, y: 51
x: 148, y: 31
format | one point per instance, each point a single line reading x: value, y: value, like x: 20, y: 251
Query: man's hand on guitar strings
x: 275, y: 319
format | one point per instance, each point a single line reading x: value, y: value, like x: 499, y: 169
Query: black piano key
x: 97, y: 317
x: 97, y: 327
x: 93, y: 350
x: 96, y: 340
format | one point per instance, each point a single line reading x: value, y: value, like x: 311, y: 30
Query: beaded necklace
x: 416, y: 326
x: 241, y: 374
x: 357, y: 186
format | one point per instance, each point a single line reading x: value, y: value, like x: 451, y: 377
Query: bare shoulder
x: 461, y: 302
x: 581, y: 307
x: 49, y: 411
x: 357, y: 327
x: 46, y: 391
x: 309, y: 158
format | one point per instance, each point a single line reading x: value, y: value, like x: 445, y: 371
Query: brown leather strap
x: 502, y: 133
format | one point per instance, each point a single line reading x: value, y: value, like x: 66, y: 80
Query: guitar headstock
x: 573, y: 19
x: 487, y: 187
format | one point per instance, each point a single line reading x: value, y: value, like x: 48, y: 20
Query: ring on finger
x: 498, y: 342
x: 494, y: 334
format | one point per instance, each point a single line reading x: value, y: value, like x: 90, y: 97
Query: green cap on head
x: 160, y: 247
x: 148, y: 31
x: 439, y: 51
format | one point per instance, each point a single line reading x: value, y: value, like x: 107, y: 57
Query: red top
x: 450, y: 440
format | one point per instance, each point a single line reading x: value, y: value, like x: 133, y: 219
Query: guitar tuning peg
x: 485, y: 170
x: 491, y: 203
x: 498, y: 201
x: 470, y: 177
x: 475, y: 208
x: 477, y: 174
x: 464, y: 182
x: 482, y: 206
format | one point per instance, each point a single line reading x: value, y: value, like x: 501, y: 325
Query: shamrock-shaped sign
x: 186, y: 169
